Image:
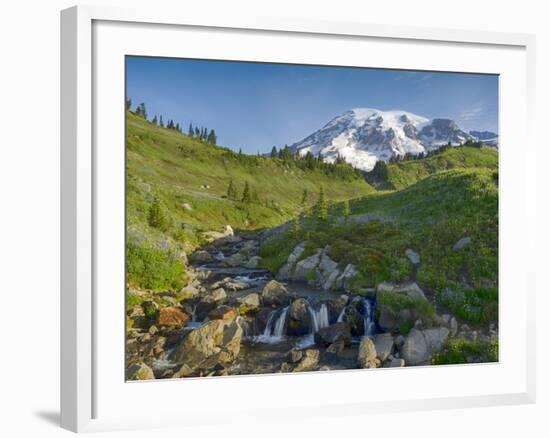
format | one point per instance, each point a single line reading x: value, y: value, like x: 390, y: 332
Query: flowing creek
x: 265, y: 344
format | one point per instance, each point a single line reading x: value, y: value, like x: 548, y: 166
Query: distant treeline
x: 201, y: 133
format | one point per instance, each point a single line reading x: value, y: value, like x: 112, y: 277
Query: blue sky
x: 255, y: 106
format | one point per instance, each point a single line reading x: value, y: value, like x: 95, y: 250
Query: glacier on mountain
x: 364, y: 136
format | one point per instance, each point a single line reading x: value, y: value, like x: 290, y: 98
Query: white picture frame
x: 85, y: 175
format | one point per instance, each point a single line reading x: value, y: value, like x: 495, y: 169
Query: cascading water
x: 341, y: 315
x: 369, y: 326
x: 319, y: 318
x: 274, y: 327
x: 368, y: 318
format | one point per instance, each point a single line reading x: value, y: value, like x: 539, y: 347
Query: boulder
x: 413, y: 256
x: 249, y: 303
x: 188, y: 292
x: 327, y: 270
x: 201, y: 256
x: 411, y: 289
x: 333, y: 333
x: 299, y: 319
x: 343, y: 281
x: 336, y: 348
x: 231, y: 284
x: 140, y: 371
x: 309, y: 361
x: 253, y: 262
x: 275, y: 294
x: 384, y: 345
x: 225, y: 313
x: 366, y: 356
x: 305, y: 269
x: 233, y: 260
x: 415, y: 348
x: 217, y: 342
x: 286, y: 271
x: 420, y: 345
x: 203, y: 308
x: 172, y: 317
x: 294, y: 356
x: 354, y: 319
x: 462, y: 243
x: 217, y: 295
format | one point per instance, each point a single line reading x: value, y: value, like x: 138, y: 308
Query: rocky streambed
x: 236, y: 318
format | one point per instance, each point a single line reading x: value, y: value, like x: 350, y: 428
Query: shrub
x: 395, y: 302
x: 150, y: 268
x: 456, y: 351
x: 157, y: 216
x: 477, y: 305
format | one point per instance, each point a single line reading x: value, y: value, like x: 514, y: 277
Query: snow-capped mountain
x: 363, y: 136
x: 487, y: 137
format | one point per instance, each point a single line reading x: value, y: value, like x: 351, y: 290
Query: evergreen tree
x: 345, y: 209
x: 157, y: 217
x: 141, y: 111
x: 190, y: 131
x: 295, y: 230
x: 322, y: 206
x: 212, y: 138
x: 246, y: 193
x: 155, y: 120
x: 273, y: 152
x: 305, y: 195
x: 286, y: 156
x: 231, y: 190
x: 128, y: 104
x: 178, y: 127
x: 197, y: 132
x: 161, y: 123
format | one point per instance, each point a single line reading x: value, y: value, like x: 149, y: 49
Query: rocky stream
x: 236, y: 318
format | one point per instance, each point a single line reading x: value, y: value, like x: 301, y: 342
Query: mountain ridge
x: 363, y: 136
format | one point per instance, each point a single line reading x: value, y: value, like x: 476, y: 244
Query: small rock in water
x: 249, y: 303
x: 333, y: 333
x: 218, y: 295
x: 336, y: 348
x: 172, y: 317
x: 225, y: 313
x: 294, y: 355
x: 275, y: 294
x: 201, y: 256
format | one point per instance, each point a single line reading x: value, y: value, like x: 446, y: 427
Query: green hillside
x: 397, y: 176
x: 190, y: 178
x: 429, y: 217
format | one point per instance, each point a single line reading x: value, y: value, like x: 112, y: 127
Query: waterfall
x: 368, y: 318
x: 341, y: 315
x: 319, y: 318
x: 279, y: 329
x: 274, y: 328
